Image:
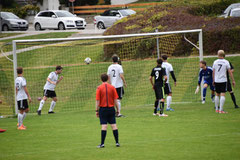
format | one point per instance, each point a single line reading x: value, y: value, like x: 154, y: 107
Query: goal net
x: 138, y: 53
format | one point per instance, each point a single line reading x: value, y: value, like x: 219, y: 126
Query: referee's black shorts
x: 221, y: 87
x: 159, y: 92
x: 107, y: 115
x: 229, y: 86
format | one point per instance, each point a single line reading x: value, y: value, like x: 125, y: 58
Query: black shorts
x: 221, y: 87
x: 159, y: 92
x: 107, y: 115
x: 120, y: 92
x: 48, y: 93
x: 229, y: 86
x: 22, y: 104
x: 167, y: 88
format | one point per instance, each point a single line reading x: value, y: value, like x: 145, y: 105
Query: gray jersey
x: 20, y: 83
x: 53, y: 76
x: 221, y: 66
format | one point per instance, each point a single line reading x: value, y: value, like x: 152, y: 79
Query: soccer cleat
x: 21, y: 128
x: 51, y: 112
x: 217, y: 111
x: 156, y: 114
x: 22, y: 125
x: 39, y: 112
x: 169, y: 109
x: 120, y: 115
x: 2, y: 130
x: 101, y: 146
x: 236, y: 106
x: 117, y: 145
x: 203, y: 102
x: 163, y: 115
x: 223, y: 112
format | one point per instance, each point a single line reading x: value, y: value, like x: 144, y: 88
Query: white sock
x: 169, y: 101
x: 53, y: 103
x: 119, y: 105
x: 20, y: 119
x: 41, y: 105
x: 216, y: 102
x: 222, y: 101
x: 24, y: 115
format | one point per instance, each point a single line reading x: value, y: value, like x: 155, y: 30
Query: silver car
x: 109, y: 17
x: 227, y: 11
x: 10, y: 21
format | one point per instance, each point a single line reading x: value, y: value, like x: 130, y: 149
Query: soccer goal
x: 138, y: 53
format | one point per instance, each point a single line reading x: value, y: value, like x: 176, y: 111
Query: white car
x: 109, y: 17
x: 228, y: 10
x: 58, y: 19
x: 235, y: 12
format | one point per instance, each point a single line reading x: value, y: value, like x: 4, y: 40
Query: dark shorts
x: 210, y: 85
x: 22, y: 104
x: 159, y: 92
x: 48, y: 93
x: 107, y: 115
x: 221, y: 87
x: 229, y: 86
x: 120, y: 92
x: 167, y: 88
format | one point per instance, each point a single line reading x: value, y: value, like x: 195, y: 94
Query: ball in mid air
x: 87, y: 60
x: 39, y: 98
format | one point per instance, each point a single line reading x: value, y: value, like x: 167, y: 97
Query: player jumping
x: 159, y: 74
x: 49, y: 90
x: 167, y: 88
x: 206, y: 73
x: 22, y: 96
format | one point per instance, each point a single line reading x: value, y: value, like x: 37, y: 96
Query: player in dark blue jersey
x: 206, y: 73
x: 159, y: 74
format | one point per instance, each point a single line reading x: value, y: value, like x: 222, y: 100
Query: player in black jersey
x: 229, y: 86
x: 159, y: 74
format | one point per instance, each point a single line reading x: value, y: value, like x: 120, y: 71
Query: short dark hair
x: 203, y: 62
x: 115, y: 59
x: 159, y: 61
x: 164, y: 57
x: 19, y: 70
x: 104, y: 77
x: 58, y: 68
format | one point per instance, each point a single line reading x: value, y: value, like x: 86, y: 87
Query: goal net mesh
x: 77, y: 89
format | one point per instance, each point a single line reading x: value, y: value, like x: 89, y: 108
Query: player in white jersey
x: 49, y: 90
x: 22, y: 97
x: 116, y: 78
x: 220, y: 68
x: 167, y: 87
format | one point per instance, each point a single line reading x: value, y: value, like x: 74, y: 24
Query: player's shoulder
x: 209, y: 68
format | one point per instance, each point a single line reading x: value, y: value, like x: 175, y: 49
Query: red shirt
x: 106, y: 94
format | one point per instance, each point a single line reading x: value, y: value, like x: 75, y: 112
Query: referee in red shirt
x: 106, y: 97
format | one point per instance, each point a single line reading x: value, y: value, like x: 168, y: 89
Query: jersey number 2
x: 114, y: 73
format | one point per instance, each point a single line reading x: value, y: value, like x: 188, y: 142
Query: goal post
x: 138, y: 52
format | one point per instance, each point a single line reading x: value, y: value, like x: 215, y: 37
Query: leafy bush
x: 22, y: 12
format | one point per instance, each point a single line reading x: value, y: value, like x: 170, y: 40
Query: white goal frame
x: 14, y: 45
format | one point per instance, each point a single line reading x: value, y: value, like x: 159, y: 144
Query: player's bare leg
x: 53, y: 103
x: 41, y: 105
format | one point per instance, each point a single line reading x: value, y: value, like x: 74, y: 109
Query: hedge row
x: 218, y: 33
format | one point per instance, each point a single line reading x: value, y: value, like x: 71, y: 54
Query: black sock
x: 115, y: 133
x: 161, y: 107
x: 233, y: 98
x: 104, y: 133
x: 156, y: 105
x: 213, y: 95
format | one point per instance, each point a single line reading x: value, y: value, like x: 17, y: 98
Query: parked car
x: 109, y: 17
x: 58, y: 19
x: 227, y: 11
x: 12, y: 22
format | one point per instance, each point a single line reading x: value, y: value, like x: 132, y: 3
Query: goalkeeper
x: 206, y: 73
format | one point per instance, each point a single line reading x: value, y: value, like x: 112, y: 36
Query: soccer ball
x: 87, y: 60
